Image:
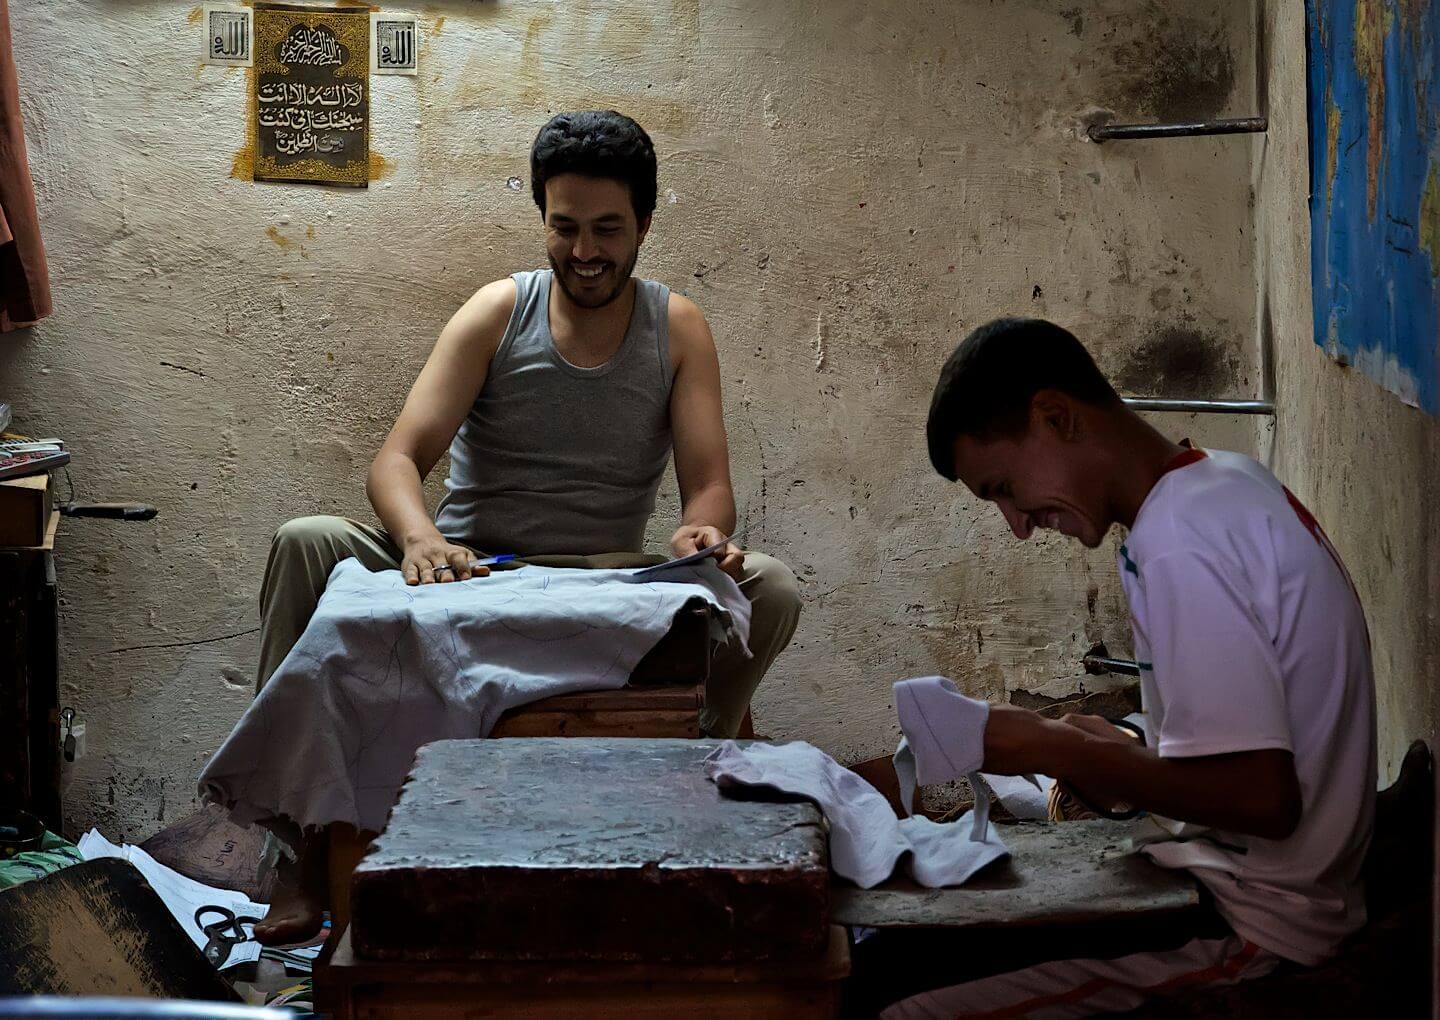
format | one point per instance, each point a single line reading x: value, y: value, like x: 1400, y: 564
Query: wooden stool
x: 663, y: 698
x: 670, y: 711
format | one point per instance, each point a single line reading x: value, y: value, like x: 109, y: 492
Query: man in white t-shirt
x: 1255, y: 671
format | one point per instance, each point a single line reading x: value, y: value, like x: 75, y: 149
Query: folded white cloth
x: 384, y: 667
x: 866, y: 839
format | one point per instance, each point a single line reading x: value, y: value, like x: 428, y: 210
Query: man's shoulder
x: 481, y: 321
x: 495, y: 300
x: 1208, y: 505
x: 682, y: 308
x: 503, y: 290
x: 688, y: 328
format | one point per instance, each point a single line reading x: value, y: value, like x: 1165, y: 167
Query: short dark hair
x: 988, y: 383
x: 596, y: 143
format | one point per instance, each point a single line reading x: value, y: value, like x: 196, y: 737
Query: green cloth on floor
x: 54, y: 854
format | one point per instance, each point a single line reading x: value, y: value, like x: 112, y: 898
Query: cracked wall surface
x: 846, y: 188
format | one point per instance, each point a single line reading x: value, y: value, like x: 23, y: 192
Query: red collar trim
x: 1184, y: 459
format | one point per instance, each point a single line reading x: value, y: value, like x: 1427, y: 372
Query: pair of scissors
x: 224, y: 934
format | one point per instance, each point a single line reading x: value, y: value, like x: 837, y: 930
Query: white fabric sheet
x: 384, y: 668
x: 866, y: 839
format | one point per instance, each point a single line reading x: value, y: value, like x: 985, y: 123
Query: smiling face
x: 1049, y: 476
x: 592, y: 237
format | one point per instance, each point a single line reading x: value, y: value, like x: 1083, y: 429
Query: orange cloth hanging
x: 24, y: 280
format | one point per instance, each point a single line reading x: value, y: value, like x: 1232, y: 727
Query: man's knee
x: 771, y: 583
x: 304, y: 533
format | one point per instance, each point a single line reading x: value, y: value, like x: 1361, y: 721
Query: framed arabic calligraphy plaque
x: 310, y: 112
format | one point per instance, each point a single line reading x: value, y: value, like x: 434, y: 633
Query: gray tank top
x: 554, y: 458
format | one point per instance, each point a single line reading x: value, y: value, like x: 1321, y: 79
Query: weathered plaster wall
x: 846, y: 188
x: 1364, y: 462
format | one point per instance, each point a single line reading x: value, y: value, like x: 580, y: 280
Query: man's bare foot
x: 296, y: 915
x: 297, y: 911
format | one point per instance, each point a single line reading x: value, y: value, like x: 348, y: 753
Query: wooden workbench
x: 1066, y: 873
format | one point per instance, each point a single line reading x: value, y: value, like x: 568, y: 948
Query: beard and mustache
x: 567, y: 276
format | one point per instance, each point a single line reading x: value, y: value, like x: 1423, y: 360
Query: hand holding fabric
x: 691, y: 538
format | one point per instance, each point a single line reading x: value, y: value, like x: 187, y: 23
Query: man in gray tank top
x: 560, y: 394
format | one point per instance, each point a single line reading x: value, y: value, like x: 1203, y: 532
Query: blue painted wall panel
x: 1374, y: 107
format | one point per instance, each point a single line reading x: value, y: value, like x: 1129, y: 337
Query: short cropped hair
x: 988, y: 383
x: 596, y: 143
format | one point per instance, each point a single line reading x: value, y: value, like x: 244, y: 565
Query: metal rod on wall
x: 1201, y: 406
x: 1234, y: 126
x: 1105, y: 664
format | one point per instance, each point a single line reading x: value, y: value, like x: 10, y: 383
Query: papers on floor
x: 185, y: 898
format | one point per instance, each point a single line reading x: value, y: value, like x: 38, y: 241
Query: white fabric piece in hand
x: 866, y: 839
x: 944, y: 738
x: 904, y: 764
x: 385, y: 667
x: 945, y: 730
x: 979, y: 816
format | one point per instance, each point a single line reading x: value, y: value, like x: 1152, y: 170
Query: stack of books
x: 27, y: 513
x: 19, y: 458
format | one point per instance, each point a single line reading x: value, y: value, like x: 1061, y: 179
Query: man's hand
x: 433, y: 560
x: 1097, y: 726
x: 691, y: 538
x: 1252, y: 792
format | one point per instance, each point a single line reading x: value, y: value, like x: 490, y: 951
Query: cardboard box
x: 25, y: 508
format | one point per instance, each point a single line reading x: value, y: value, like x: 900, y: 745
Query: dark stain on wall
x: 1175, y: 70
x: 1178, y: 360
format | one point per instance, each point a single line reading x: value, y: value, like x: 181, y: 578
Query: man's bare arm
x: 1251, y: 792
x: 438, y: 402
x: 702, y: 455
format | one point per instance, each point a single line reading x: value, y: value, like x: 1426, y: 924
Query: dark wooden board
x: 29, y: 685
x: 588, y: 849
x: 99, y: 929
x: 1057, y: 874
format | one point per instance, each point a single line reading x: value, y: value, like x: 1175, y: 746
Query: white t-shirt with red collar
x: 1250, y: 636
